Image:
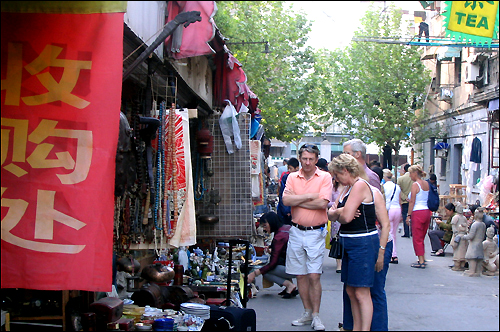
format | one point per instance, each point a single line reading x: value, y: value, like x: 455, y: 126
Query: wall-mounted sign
x: 472, y: 21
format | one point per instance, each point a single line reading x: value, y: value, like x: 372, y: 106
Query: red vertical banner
x: 61, y: 89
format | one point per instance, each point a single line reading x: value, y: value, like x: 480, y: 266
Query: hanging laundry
x: 475, y: 154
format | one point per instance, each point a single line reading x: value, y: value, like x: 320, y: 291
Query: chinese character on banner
x: 476, y: 21
x: 61, y: 90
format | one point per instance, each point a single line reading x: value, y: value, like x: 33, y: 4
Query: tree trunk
x: 396, y: 152
x: 297, y: 143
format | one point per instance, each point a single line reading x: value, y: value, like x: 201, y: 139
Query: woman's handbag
x: 336, y: 249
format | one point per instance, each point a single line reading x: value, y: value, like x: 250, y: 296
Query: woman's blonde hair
x: 347, y: 162
x: 418, y: 169
x: 387, y: 173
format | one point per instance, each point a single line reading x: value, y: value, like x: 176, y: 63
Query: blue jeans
x: 380, y: 320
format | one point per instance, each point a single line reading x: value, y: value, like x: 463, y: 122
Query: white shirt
x: 389, y: 188
x: 421, y: 199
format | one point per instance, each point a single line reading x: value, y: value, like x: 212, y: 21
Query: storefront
x: 180, y: 180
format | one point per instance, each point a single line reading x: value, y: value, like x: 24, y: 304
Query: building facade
x: 463, y: 103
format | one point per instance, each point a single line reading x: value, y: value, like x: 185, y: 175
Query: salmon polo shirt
x: 320, y: 182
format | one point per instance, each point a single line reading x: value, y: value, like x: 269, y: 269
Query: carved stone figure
x: 459, y: 227
x: 474, y: 254
x: 490, y: 248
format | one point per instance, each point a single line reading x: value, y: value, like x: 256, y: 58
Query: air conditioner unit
x: 471, y: 72
x: 446, y: 94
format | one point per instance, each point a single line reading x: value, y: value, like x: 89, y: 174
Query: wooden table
x: 457, y: 189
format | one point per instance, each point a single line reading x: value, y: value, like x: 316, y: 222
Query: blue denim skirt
x: 358, y: 261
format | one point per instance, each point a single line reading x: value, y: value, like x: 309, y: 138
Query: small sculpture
x: 474, y: 254
x: 459, y: 227
x: 490, y: 261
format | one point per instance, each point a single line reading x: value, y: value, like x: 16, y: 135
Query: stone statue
x: 490, y: 261
x: 474, y: 254
x: 459, y: 227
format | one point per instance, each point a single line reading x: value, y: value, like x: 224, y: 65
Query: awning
x: 446, y: 53
x: 277, y: 143
x: 431, y: 53
x: 441, y: 145
x: 231, y: 84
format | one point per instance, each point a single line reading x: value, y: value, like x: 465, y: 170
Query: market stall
x: 149, y: 230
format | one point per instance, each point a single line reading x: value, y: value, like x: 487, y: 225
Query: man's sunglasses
x: 309, y: 146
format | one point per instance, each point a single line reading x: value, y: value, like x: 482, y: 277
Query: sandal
x: 394, y: 260
x: 440, y: 253
x: 418, y: 265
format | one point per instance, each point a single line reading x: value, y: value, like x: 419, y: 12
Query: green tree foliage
x: 278, y: 78
x: 373, y: 89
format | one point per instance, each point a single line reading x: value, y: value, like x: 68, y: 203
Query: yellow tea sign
x: 475, y: 20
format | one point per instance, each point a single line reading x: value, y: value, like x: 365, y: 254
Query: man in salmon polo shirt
x: 308, y: 192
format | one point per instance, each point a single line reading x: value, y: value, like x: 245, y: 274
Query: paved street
x: 434, y: 298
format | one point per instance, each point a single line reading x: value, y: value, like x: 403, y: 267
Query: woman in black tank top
x: 365, y: 222
x: 355, y: 210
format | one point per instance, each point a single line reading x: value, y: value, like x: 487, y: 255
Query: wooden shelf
x: 31, y: 318
x: 41, y: 318
x: 457, y: 189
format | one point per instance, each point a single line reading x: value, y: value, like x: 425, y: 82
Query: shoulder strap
x: 344, y: 193
x: 393, y: 192
x: 371, y: 189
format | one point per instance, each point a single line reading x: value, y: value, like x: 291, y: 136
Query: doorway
x: 457, y: 164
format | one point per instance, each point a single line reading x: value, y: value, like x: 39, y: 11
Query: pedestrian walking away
x: 404, y: 182
x: 308, y: 192
x: 393, y: 206
x: 418, y: 213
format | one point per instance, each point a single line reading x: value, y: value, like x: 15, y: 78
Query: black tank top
x: 365, y: 223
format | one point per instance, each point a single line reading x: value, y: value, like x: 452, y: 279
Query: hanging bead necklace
x: 172, y: 165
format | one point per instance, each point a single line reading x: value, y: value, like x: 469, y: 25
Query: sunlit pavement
x: 435, y: 298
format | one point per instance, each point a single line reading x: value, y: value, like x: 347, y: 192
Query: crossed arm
x: 310, y: 201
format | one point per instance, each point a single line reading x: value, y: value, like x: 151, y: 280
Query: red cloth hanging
x: 230, y: 83
x: 194, y: 40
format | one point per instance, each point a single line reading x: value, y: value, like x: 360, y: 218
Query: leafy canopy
x: 372, y: 89
x: 278, y: 78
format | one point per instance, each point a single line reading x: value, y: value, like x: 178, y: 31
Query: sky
x: 335, y: 21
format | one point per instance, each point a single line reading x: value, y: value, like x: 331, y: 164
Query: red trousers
x: 420, y: 221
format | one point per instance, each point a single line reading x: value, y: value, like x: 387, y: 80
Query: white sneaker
x: 317, y: 324
x: 305, y: 319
